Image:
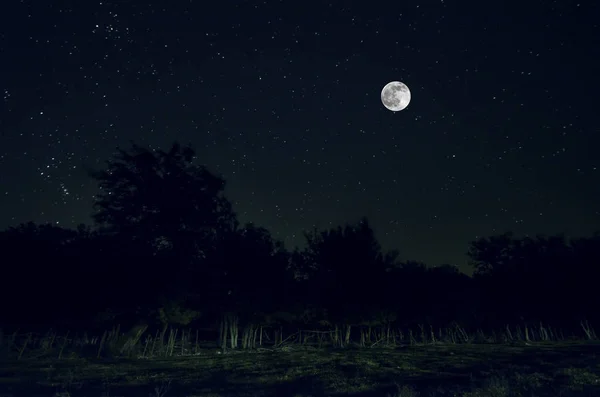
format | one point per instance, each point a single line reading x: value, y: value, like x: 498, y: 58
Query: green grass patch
x: 439, y: 370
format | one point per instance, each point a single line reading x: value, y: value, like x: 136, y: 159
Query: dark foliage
x: 167, y: 248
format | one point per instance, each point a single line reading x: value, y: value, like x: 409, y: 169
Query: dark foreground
x: 455, y: 370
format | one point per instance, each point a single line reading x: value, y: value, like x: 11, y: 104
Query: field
x: 475, y: 370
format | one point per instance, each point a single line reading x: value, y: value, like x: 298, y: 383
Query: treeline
x: 166, y: 249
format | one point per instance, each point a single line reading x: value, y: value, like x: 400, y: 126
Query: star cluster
x: 283, y: 100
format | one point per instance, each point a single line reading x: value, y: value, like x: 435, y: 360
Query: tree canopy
x: 162, y: 199
x: 166, y: 248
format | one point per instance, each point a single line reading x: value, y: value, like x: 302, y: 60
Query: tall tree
x: 346, y: 267
x: 492, y: 255
x: 253, y: 277
x: 160, y: 197
x: 162, y: 203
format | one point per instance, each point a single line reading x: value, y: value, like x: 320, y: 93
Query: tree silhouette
x: 346, y: 269
x: 164, y: 209
x: 493, y: 254
x: 162, y: 198
x: 251, y: 278
x: 167, y: 250
x: 533, y: 279
x: 254, y: 267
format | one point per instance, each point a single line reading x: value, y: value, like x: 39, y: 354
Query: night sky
x: 282, y: 98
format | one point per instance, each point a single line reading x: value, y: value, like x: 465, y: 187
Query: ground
x: 571, y: 369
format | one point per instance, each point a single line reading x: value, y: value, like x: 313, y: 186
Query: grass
x: 462, y: 370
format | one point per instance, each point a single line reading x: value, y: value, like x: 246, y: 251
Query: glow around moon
x: 395, y: 96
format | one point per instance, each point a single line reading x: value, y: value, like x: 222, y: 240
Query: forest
x: 166, y: 251
x: 166, y: 293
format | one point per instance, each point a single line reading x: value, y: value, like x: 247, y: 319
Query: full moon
x: 395, y: 96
